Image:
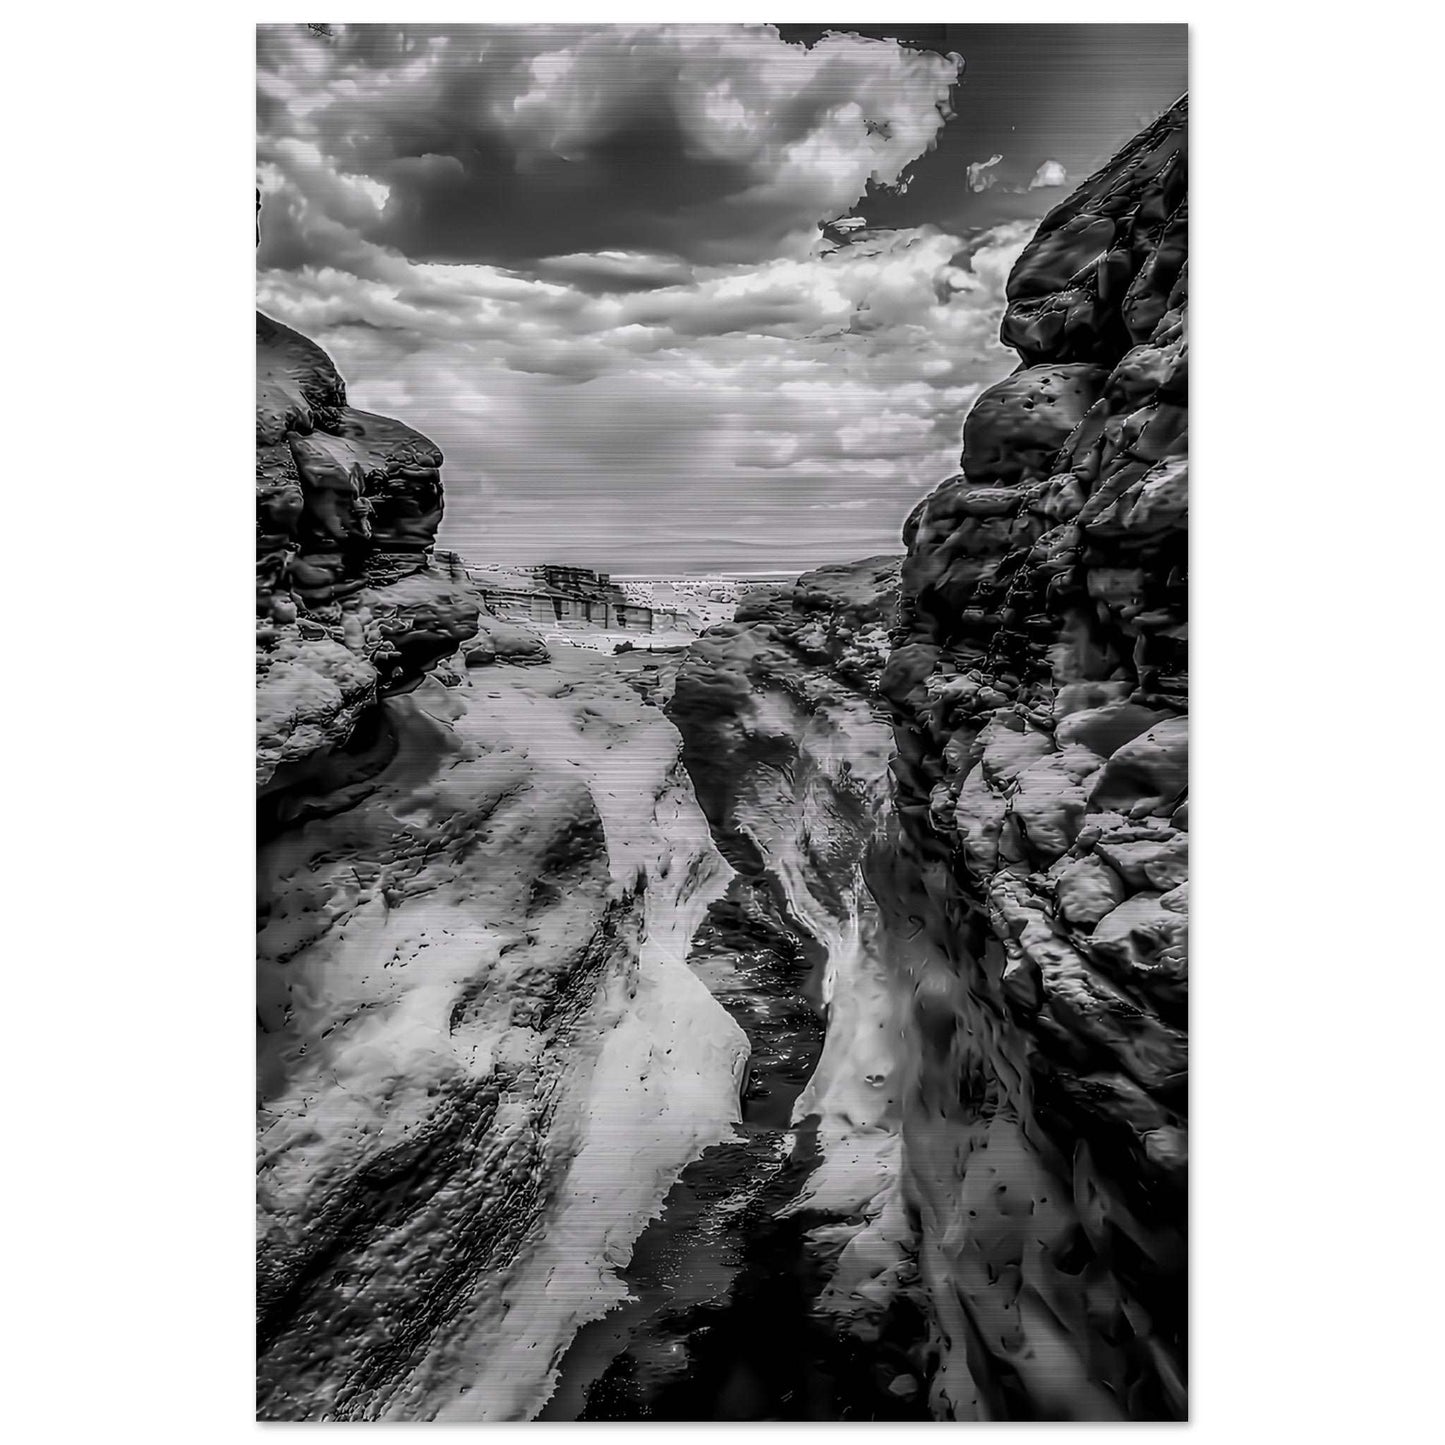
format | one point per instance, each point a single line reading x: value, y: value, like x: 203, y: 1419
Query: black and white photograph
x: 647, y: 874
x: 722, y: 732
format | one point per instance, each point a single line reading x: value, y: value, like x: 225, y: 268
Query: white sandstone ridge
x: 484, y: 1059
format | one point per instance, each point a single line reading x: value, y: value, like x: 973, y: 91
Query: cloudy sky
x: 683, y: 298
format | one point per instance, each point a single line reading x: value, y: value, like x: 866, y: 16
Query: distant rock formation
x: 1036, y: 880
x: 566, y: 599
x: 347, y: 506
x: 707, y: 600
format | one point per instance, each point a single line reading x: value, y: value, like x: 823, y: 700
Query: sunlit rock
x: 472, y: 984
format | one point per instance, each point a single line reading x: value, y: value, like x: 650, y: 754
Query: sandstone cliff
x: 482, y: 1057
x: 348, y: 606
x: 1036, y: 875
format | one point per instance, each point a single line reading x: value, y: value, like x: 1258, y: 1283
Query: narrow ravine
x: 721, y: 1323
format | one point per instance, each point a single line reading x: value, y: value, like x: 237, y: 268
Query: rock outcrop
x: 783, y: 694
x: 483, y: 1059
x: 787, y: 747
x: 1035, y: 877
x: 348, y: 606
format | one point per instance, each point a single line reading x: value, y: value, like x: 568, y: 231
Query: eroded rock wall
x: 1035, y: 878
x: 348, y: 606
x: 483, y: 1059
x: 788, y: 751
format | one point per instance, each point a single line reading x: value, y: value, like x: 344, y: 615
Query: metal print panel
x: 722, y: 722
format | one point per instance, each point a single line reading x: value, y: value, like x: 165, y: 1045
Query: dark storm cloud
x: 508, y: 145
x: 1070, y: 94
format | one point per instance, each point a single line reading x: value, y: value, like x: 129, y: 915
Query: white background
x: 128, y: 522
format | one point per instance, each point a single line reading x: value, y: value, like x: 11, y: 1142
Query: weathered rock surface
x: 788, y: 747
x: 498, y: 640
x: 347, y: 506
x: 783, y: 736
x: 1035, y: 876
x: 483, y: 1059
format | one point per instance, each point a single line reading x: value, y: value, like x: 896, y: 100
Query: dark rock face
x: 347, y: 506
x: 787, y: 747
x: 1036, y: 874
x: 783, y: 696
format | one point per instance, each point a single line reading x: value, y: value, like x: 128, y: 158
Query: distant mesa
x: 565, y: 598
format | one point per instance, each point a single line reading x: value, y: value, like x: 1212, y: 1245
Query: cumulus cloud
x: 1051, y: 173
x: 987, y: 260
x: 706, y: 416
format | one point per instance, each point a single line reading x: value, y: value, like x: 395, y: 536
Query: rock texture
x: 1036, y: 876
x: 347, y: 506
x: 791, y: 678
x: 788, y: 749
x: 483, y: 1059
